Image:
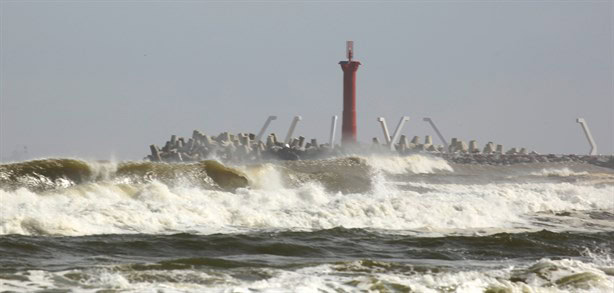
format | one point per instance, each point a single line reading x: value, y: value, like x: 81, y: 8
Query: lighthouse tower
x: 349, y: 67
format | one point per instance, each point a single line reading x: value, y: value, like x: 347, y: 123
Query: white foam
x: 102, y: 170
x: 563, y: 172
x: 265, y: 176
x: 417, y: 164
x: 542, y: 276
x: 108, y: 207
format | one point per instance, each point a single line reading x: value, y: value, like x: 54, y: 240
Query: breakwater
x: 243, y: 147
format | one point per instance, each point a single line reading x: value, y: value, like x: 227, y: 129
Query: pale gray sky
x: 104, y: 79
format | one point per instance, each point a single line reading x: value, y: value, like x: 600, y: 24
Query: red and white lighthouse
x: 349, y: 67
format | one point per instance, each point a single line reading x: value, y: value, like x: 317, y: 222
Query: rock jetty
x: 237, y: 147
x: 243, y: 147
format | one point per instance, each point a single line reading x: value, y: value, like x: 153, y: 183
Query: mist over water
x: 412, y: 223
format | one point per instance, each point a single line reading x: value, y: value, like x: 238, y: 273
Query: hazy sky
x: 105, y: 79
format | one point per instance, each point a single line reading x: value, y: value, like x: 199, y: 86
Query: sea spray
x: 416, y: 164
x: 340, y: 224
x: 293, y: 197
x: 562, y: 172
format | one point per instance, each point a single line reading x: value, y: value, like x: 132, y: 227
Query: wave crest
x: 49, y: 174
x: 416, y: 164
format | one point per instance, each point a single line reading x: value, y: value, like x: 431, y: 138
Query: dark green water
x: 413, y: 224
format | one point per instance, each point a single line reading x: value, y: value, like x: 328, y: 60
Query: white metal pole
x: 397, y: 131
x: 264, y: 127
x: 333, y: 127
x: 382, y: 121
x: 445, y: 142
x: 588, y: 135
x: 292, y: 126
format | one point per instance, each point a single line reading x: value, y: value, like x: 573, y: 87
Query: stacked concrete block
x: 155, y: 153
x: 499, y: 149
x: 489, y: 148
x: 403, y: 141
x: 243, y: 147
x: 271, y: 141
x: 228, y: 146
x: 462, y: 147
x: 512, y: 151
x: 428, y: 140
x: 452, y: 147
x: 473, y: 147
x: 314, y: 143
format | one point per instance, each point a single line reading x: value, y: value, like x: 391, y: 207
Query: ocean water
x: 350, y: 224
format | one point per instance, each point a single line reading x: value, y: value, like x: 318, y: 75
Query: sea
x: 356, y: 223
